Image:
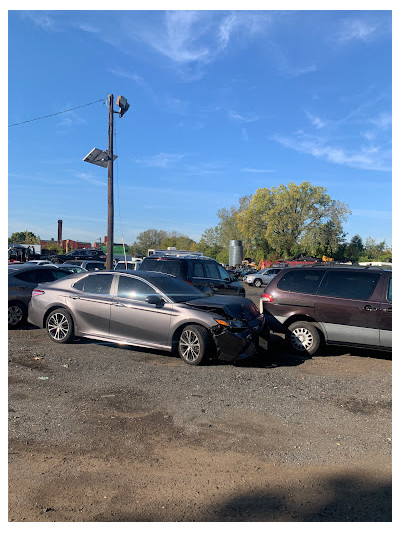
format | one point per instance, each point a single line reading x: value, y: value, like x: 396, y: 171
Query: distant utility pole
x: 110, y: 220
x: 106, y: 159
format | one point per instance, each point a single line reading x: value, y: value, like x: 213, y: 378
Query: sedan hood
x: 233, y: 307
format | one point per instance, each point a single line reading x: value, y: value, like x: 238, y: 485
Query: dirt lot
x: 99, y: 432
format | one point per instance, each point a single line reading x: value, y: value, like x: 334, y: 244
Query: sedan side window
x: 97, y: 284
x: 133, y: 288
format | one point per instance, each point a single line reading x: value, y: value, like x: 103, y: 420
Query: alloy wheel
x: 189, y: 344
x: 58, y: 326
x: 15, y: 315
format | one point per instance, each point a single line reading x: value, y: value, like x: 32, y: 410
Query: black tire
x: 17, y: 314
x: 193, y: 345
x: 303, y: 338
x: 257, y: 282
x: 60, y: 326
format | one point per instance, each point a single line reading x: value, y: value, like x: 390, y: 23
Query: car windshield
x: 176, y: 289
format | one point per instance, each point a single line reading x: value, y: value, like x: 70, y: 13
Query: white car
x: 39, y: 262
x: 261, y: 277
x: 132, y: 264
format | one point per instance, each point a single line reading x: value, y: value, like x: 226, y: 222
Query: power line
x: 53, y: 114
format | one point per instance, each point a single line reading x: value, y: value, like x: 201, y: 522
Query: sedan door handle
x: 119, y: 305
x: 75, y: 297
x: 369, y: 308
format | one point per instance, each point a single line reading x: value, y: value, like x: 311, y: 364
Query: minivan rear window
x: 303, y: 281
x: 354, y: 285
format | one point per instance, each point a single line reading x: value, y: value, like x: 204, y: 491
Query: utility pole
x: 106, y: 160
x: 110, y: 165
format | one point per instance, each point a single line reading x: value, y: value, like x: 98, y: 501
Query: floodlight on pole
x: 123, y: 105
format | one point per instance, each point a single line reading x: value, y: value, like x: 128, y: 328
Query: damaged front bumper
x: 235, y: 344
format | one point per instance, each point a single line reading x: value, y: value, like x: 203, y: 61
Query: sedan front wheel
x: 193, y: 344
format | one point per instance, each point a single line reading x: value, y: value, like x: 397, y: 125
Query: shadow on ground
x: 334, y: 499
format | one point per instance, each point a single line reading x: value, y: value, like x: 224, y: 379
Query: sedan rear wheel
x: 258, y: 282
x: 193, y: 344
x: 59, y: 326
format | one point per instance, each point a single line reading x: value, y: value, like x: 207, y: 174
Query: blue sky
x: 222, y: 103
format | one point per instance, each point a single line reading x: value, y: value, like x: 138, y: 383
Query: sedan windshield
x: 176, y: 289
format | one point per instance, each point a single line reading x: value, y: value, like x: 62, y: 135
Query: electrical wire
x: 58, y: 113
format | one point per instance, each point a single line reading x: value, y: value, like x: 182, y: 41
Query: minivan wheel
x: 257, y: 282
x: 59, y: 326
x: 193, y: 344
x: 303, y: 338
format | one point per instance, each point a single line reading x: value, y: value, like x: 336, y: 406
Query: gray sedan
x: 149, y: 309
x: 22, y: 279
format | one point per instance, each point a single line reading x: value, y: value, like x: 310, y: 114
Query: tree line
x: 274, y: 223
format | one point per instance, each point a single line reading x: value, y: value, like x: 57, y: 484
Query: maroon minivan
x: 347, y: 305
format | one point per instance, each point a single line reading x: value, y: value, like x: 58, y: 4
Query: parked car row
x: 82, y: 254
x: 194, y: 304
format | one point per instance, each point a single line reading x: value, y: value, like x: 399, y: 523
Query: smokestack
x: 60, y: 232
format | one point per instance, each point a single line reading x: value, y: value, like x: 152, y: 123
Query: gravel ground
x: 100, y: 432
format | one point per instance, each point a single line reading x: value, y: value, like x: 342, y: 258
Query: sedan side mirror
x: 155, y: 299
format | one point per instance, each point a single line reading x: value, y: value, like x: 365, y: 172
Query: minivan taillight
x: 37, y: 292
x: 265, y: 297
x: 187, y: 281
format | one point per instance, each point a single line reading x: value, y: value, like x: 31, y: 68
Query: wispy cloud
x: 123, y: 73
x: 88, y: 28
x: 243, y: 117
x: 193, y: 39
x: 383, y: 121
x: 161, y: 160
x: 356, y: 29
x: 317, y: 147
x: 257, y: 170
x: 383, y: 215
x: 317, y: 122
x: 41, y: 19
x: 287, y: 67
x: 91, y: 179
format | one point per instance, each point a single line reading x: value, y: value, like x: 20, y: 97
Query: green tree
x: 55, y: 247
x: 355, y: 248
x: 24, y: 237
x: 180, y: 242
x: 374, y: 250
x: 151, y: 238
x: 286, y: 216
x: 209, y: 242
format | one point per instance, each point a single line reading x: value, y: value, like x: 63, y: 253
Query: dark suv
x: 333, y: 304
x: 204, y: 273
x: 84, y: 254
